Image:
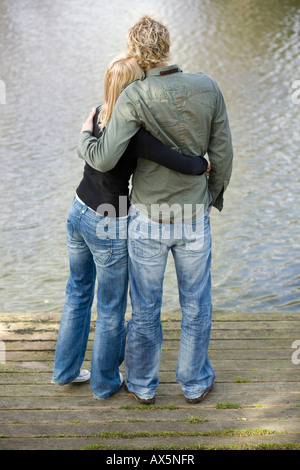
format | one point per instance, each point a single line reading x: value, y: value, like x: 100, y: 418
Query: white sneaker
x: 122, y: 380
x: 83, y: 376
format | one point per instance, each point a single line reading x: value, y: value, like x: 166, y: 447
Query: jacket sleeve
x: 220, y: 153
x: 104, y: 153
x: 145, y: 145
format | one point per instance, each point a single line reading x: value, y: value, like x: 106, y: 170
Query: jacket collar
x: 166, y: 70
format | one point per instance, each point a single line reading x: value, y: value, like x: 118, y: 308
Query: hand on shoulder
x: 89, y: 125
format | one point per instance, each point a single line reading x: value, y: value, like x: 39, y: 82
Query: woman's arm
x: 146, y: 146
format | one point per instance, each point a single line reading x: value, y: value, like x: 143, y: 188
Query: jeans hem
x: 141, y: 396
x: 101, y: 398
x: 57, y: 383
x: 65, y: 383
x: 61, y: 384
x: 105, y: 397
x: 197, y: 394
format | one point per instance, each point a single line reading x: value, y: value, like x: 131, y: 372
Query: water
x: 53, y: 58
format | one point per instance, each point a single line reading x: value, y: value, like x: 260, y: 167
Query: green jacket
x: 185, y: 111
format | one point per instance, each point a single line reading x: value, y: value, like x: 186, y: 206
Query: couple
x: 144, y: 97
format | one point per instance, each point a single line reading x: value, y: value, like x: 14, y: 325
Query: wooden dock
x: 255, y: 402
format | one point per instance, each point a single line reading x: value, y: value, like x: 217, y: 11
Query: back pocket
x: 144, y: 248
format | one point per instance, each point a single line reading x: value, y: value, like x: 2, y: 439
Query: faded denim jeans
x: 148, y: 245
x: 97, y: 252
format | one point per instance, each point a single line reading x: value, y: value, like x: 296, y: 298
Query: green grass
x: 239, y: 432
x: 194, y: 419
x: 228, y: 405
x: 239, y: 380
x: 135, y: 421
x: 146, y: 434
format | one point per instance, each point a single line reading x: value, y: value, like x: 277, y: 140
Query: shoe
x: 83, y: 376
x: 199, y: 399
x: 142, y: 401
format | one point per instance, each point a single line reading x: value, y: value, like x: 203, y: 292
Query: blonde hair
x: 122, y: 70
x: 149, y: 42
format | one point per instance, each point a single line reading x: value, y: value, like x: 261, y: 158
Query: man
x: 170, y: 211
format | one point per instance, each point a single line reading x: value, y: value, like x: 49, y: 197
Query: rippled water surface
x: 52, y: 63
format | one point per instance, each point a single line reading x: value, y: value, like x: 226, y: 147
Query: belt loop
x: 83, y: 210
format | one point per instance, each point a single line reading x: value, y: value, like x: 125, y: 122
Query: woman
x: 97, y: 245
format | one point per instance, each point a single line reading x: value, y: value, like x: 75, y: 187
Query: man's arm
x: 104, y: 153
x: 220, y: 153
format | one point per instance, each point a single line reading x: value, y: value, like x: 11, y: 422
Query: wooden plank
x: 183, y: 442
x: 75, y: 401
x: 223, y: 344
x: 168, y: 315
x: 245, y: 334
x: 267, y: 388
x: 285, y: 350
x: 22, y: 376
x: 169, y: 355
x: 184, y: 413
x: 30, y: 326
x: 251, y: 355
x: 225, y: 334
x: 238, y: 367
x: 81, y: 429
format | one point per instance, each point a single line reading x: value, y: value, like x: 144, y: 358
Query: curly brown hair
x: 149, y: 42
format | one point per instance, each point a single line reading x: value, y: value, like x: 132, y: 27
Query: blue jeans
x: 97, y: 251
x: 190, y: 244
